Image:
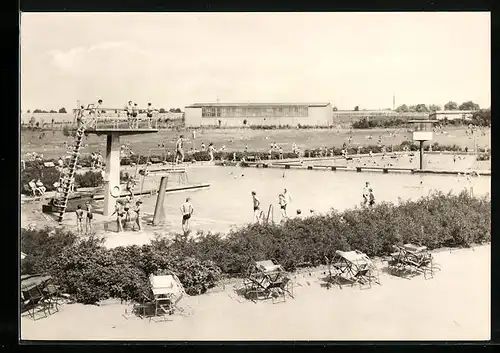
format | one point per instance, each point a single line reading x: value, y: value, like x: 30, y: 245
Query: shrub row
x: 92, y: 273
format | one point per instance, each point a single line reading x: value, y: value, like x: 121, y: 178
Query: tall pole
x: 421, y: 154
x: 159, y: 214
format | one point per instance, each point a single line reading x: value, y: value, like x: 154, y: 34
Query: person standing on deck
x: 179, y: 152
x: 256, y: 207
x: 149, y: 112
x: 119, y: 215
x: 186, y: 211
x: 138, y: 213
x: 79, y: 219
x: 211, y: 150
x: 90, y: 216
x: 129, y: 109
x: 135, y: 121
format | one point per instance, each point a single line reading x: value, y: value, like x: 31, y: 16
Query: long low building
x: 248, y: 114
x: 451, y: 115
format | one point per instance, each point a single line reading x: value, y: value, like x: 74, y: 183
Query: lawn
x: 52, y: 143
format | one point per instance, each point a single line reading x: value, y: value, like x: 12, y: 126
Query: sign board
x: 422, y: 135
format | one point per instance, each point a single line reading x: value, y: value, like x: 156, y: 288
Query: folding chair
x: 266, y: 279
x: 410, y: 260
x: 167, y: 292
x: 35, y: 189
x: 33, y: 298
x: 353, y: 267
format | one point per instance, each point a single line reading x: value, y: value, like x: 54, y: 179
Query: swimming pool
x: 228, y: 202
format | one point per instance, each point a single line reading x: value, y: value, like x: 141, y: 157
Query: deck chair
x: 410, y: 260
x: 35, y: 189
x: 33, y: 298
x: 267, y: 280
x: 167, y: 292
x: 353, y: 267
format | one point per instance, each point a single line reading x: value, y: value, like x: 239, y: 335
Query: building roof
x: 201, y: 105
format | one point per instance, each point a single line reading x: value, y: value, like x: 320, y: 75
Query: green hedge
x: 92, y: 273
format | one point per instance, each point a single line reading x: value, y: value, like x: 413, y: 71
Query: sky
x: 176, y: 59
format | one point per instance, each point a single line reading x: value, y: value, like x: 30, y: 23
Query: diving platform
x: 113, y: 123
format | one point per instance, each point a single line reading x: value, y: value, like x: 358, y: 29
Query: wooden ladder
x: 68, y: 177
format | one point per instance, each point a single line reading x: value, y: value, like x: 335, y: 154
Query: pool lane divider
x: 358, y: 169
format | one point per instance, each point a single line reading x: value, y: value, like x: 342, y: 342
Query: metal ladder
x: 67, y: 177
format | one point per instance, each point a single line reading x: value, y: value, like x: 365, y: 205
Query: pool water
x: 228, y: 202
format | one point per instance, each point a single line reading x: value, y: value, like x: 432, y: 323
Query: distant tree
x: 356, y: 108
x: 52, y: 111
x: 172, y: 110
x: 62, y: 110
x: 482, y: 117
x: 335, y: 108
x: 403, y: 108
x: 177, y: 110
x: 421, y: 108
x: 28, y: 111
x: 469, y: 105
x: 37, y: 111
x: 451, y: 106
x: 32, y: 121
x: 162, y: 110
x: 434, y: 107
x: 412, y: 108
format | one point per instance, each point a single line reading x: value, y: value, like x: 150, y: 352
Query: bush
x: 43, y: 246
x: 89, y: 179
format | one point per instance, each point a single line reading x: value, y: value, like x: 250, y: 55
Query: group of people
x: 125, y: 213
x: 94, y: 111
x: 133, y: 111
x: 80, y: 215
x: 284, y: 200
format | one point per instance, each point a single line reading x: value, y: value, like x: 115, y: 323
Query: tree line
x: 421, y: 108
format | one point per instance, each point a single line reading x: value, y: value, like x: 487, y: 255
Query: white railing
x: 116, y: 119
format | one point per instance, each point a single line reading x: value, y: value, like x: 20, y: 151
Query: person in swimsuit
x: 137, y: 210
x: 284, y: 199
x: 372, y: 198
x: 366, y: 193
x: 79, y: 219
x: 126, y: 208
x: 211, y: 150
x: 186, y: 211
x: 88, y: 223
x: 119, y: 215
x: 256, y: 207
x: 179, y: 152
